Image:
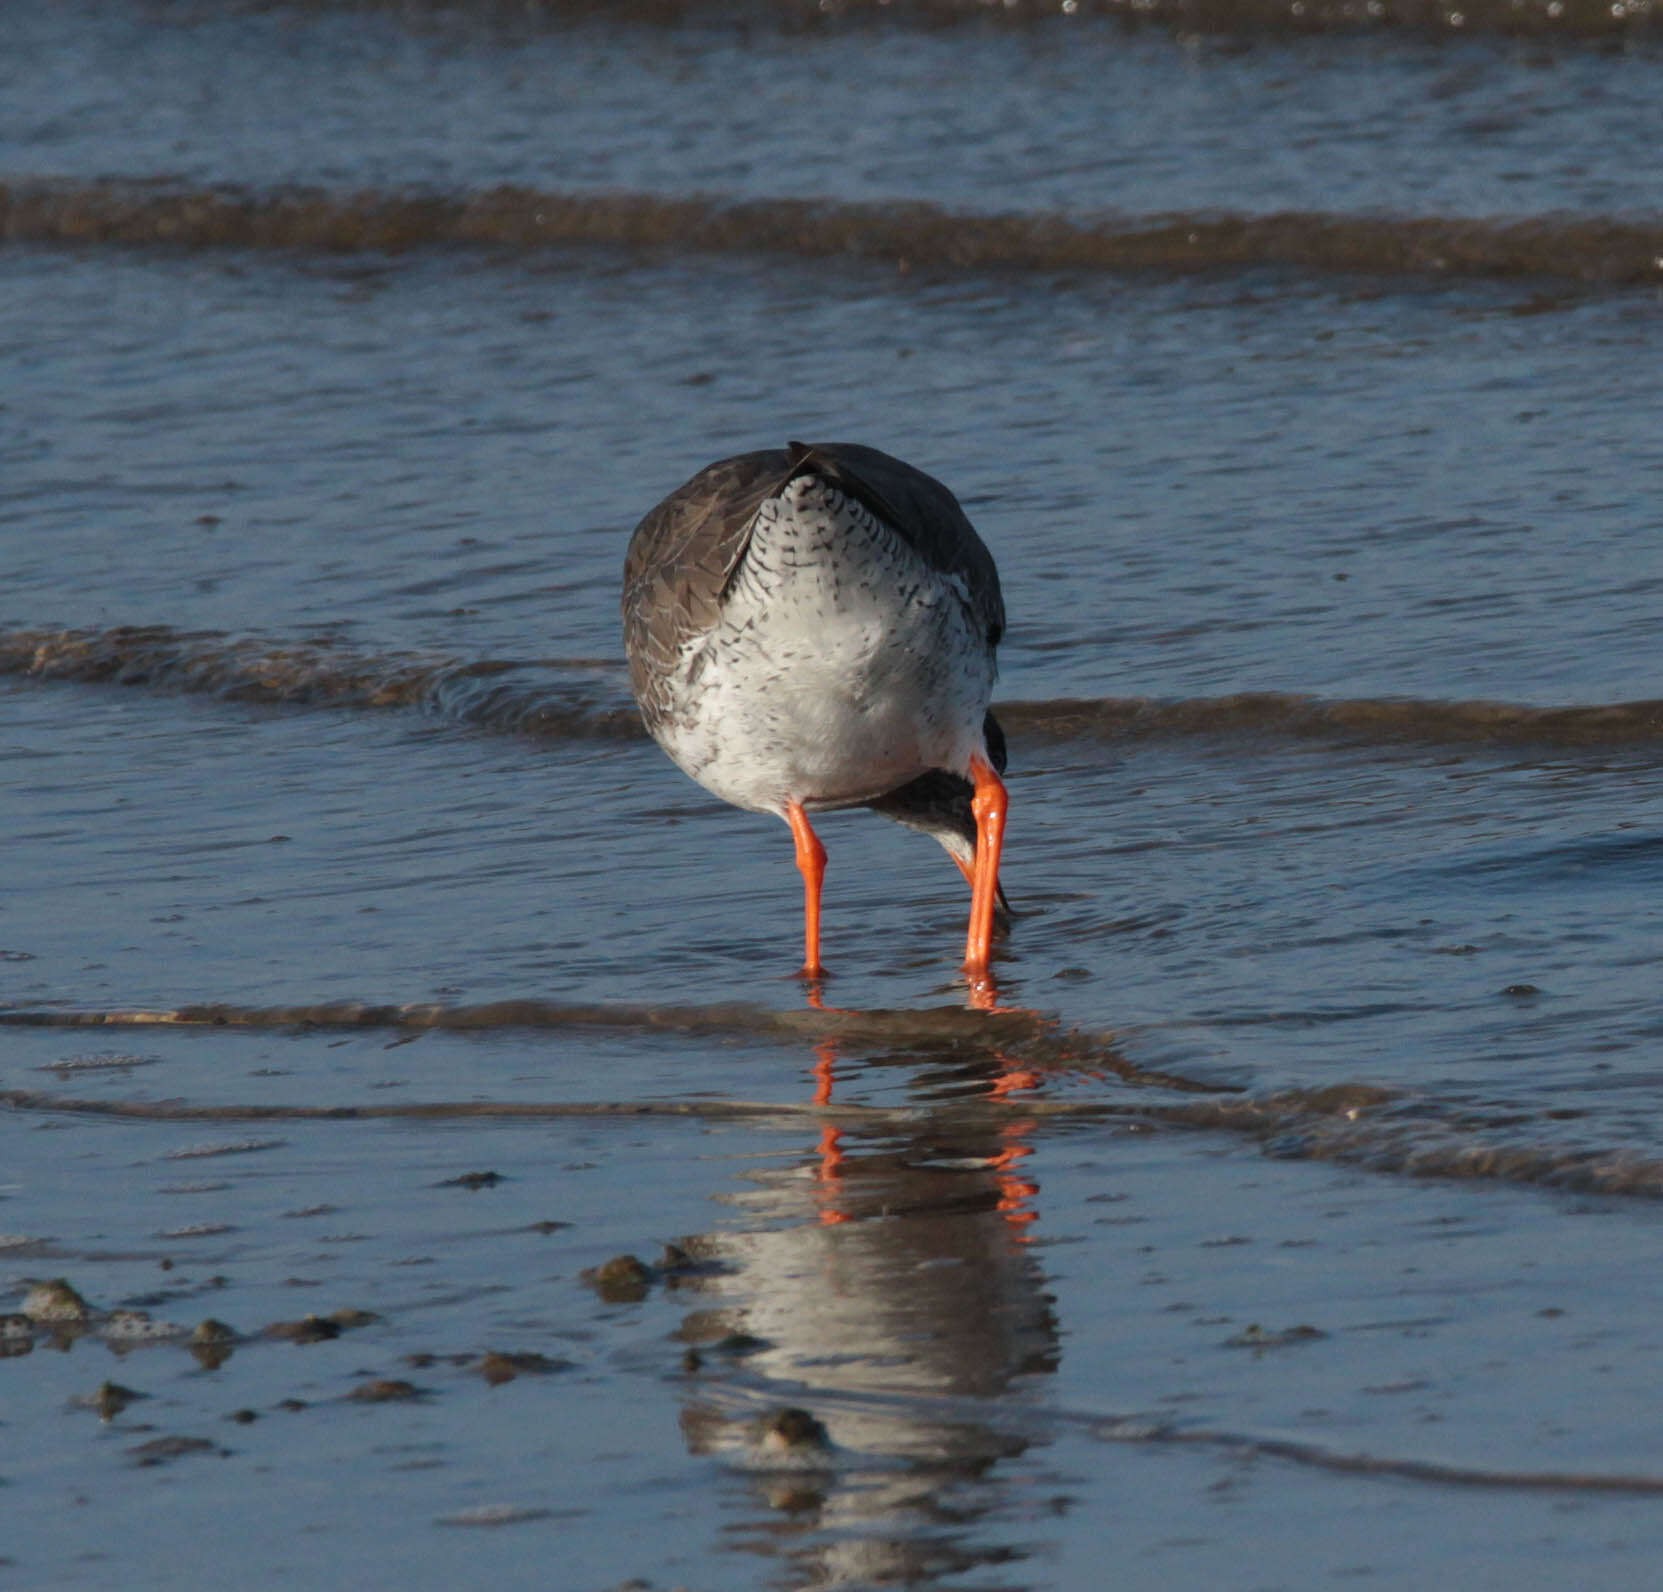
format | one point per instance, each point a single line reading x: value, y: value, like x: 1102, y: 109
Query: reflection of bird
x: 811, y: 628
x: 905, y: 1338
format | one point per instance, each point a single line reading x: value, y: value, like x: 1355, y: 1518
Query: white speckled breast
x: 842, y: 667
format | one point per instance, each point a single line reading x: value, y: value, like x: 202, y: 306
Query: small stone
x: 623, y: 1280
x: 162, y: 1449
x: 498, y: 1368
x: 736, y: 1345
x: 309, y: 1329
x: 385, y: 1390
x: 112, y: 1398
x: 791, y: 1429
x: 138, y: 1326
x: 1257, y: 1337
x: 55, y: 1301
x: 349, y: 1318
x: 493, y: 1515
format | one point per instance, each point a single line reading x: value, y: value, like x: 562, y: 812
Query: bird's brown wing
x: 681, y: 559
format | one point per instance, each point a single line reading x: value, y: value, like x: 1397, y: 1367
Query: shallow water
x: 1296, y: 1216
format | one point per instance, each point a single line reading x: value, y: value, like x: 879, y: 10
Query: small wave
x: 1460, y: 18
x: 582, y: 699
x: 1370, y: 720
x: 937, y: 1029
x: 1441, y: 1473
x: 498, y: 694
x: 906, y: 233
x: 1625, y: 861
x: 1412, y: 1138
x: 1358, y: 1124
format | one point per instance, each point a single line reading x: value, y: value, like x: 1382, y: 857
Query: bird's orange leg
x: 811, y: 862
x: 983, y: 996
x: 989, y: 805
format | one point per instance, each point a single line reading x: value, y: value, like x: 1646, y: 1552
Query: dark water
x: 1296, y: 1217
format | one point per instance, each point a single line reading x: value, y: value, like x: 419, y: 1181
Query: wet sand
x: 1029, y: 1345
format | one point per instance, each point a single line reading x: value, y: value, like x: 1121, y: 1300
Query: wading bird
x: 813, y: 627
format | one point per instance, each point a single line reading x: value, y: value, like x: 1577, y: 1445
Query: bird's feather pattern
x: 684, y: 555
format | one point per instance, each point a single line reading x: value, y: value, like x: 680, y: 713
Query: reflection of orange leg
x: 831, y: 1160
x: 1015, y: 1192
x: 825, y: 1059
x: 989, y: 804
x: 830, y: 1176
x: 830, y: 1172
x: 811, y: 861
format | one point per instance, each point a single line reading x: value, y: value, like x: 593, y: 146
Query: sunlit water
x: 1318, y: 1235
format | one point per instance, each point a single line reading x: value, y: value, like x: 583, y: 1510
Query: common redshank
x: 813, y: 627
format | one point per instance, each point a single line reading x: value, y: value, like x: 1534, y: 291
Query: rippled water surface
x: 366, y: 975
x: 1074, y: 117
